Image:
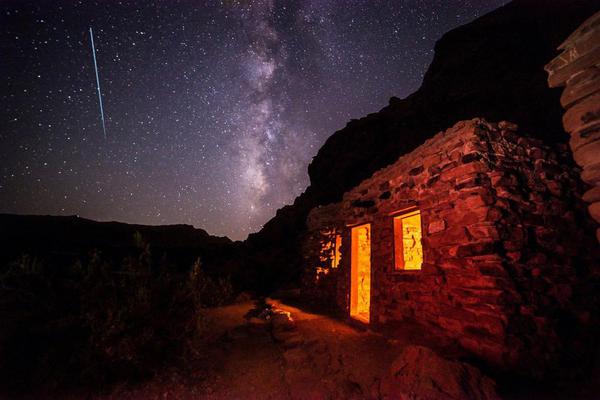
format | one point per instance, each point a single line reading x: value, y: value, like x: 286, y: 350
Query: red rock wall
x: 506, y: 243
x: 578, y: 69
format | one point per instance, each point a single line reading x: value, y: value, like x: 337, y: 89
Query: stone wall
x: 506, y: 245
x: 578, y: 69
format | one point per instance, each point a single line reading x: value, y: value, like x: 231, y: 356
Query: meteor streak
x: 98, y: 83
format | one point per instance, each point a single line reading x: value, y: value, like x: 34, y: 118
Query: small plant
x: 207, y: 291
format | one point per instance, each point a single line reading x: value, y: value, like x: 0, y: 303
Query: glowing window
x: 335, y: 261
x: 408, y: 250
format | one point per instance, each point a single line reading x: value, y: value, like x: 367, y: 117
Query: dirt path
x: 244, y: 362
x: 332, y: 359
x: 295, y: 355
x: 309, y: 357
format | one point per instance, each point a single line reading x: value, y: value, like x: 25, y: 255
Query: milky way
x: 213, y: 110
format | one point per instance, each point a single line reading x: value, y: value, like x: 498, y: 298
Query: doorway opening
x: 360, y: 279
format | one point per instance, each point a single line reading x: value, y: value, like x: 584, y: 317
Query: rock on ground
x: 419, y: 373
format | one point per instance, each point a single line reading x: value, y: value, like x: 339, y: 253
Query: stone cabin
x: 478, y: 235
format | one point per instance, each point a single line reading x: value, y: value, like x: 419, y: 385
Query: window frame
x: 398, y: 214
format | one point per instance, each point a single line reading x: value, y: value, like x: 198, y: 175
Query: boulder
x: 420, y: 373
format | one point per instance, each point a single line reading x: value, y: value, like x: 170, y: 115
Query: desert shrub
x: 100, y: 321
x: 207, y: 291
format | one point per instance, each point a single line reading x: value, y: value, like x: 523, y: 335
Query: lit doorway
x: 360, y: 279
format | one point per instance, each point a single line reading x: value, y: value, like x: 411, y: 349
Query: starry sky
x: 213, y: 108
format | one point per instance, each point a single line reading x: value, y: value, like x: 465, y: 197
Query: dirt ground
x: 250, y: 356
x: 321, y: 358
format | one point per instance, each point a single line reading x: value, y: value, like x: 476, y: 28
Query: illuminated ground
x: 245, y: 361
x: 321, y: 358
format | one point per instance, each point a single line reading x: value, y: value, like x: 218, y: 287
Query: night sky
x: 213, y: 109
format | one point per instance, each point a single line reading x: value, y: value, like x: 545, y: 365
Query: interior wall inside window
x: 330, y: 253
x: 335, y: 262
x: 360, y: 277
x: 408, y: 249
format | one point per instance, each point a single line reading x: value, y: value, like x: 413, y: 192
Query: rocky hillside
x: 492, y: 67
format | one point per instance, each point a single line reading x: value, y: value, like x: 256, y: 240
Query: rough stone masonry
x: 509, y: 254
x: 577, y: 68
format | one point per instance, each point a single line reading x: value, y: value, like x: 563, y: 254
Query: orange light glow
x: 329, y: 255
x: 335, y: 262
x: 408, y: 250
x: 360, y: 280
